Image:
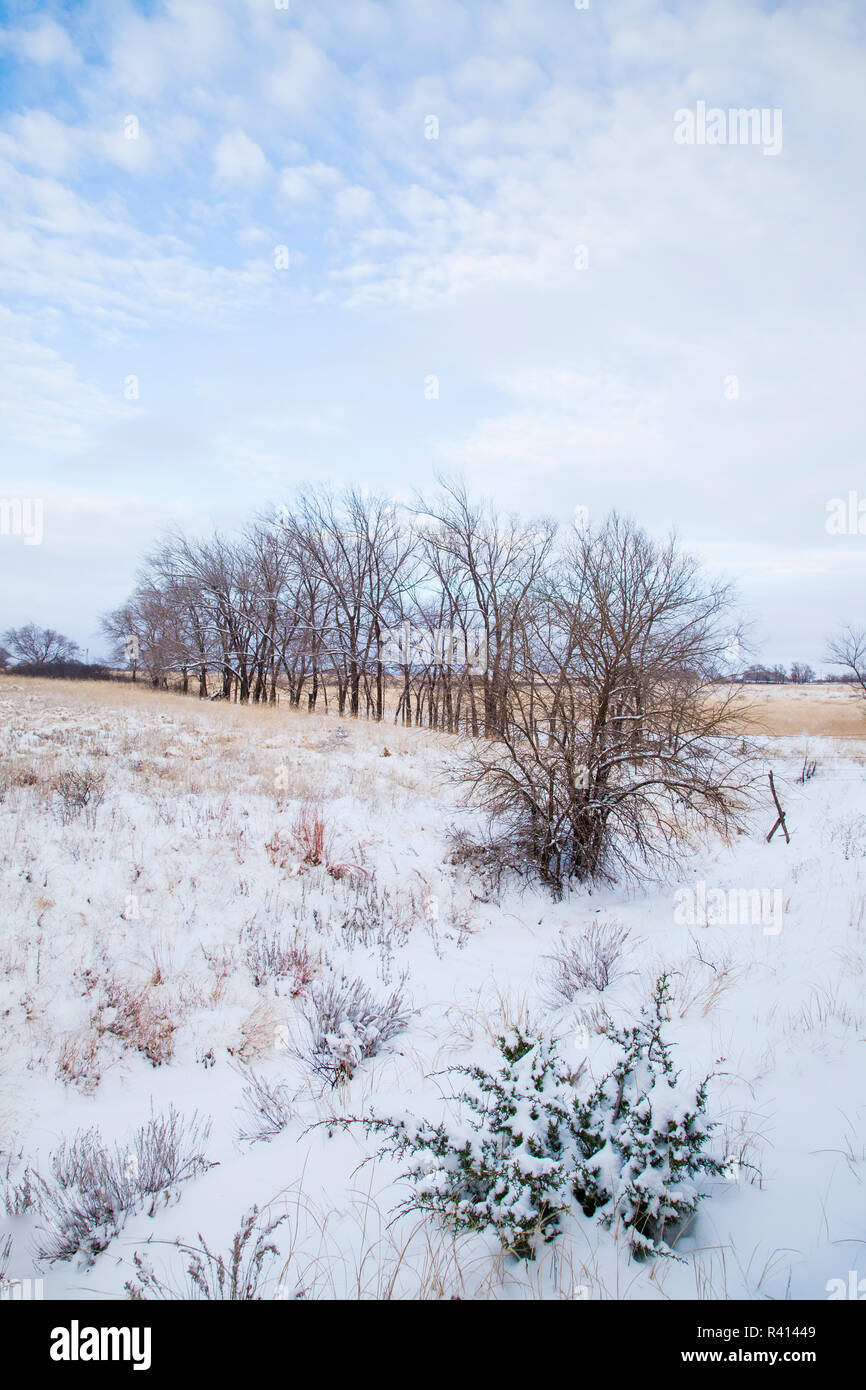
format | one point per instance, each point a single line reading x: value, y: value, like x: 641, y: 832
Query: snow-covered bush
x: 642, y: 1136
x: 77, y: 791
x: 506, y: 1169
x: 92, y: 1187
x: 630, y: 1150
x: 587, y: 963
x: 347, y: 1024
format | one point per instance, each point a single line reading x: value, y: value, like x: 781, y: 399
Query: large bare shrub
x: 78, y: 791
x: 616, y: 745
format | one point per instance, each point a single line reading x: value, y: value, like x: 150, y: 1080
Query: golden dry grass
x: 818, y: 710
x: 186, y: 746
x: 826, y: 711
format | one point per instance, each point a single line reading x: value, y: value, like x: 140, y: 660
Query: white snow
x: 163, y: 890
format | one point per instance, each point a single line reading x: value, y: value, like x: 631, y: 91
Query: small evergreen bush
x: 631, y: 1150
x: 641, y: 1136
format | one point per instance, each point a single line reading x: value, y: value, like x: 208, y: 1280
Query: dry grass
x: 261, y: 1033
x: 284, y: 753
x: 820, y: 709
x: 789, y: 711
x: 145, y: 1018
x: 586, y: 962
x: 489, y: 1014
x: 77, y: 1060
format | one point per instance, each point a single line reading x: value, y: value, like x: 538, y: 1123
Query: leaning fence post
x: 781, y: 817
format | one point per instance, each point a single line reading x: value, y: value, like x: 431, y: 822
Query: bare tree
x: 848, y: 650
x: 361, y: 558
x: 764, y: 675
x: 614, y: 743
x: 40, y: 645
x: 144, y: 632
x: 120, y: 629
x: 801, y: 674
x: 487, y: 566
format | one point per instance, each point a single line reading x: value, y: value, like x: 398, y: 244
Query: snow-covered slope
x: 141, y: 931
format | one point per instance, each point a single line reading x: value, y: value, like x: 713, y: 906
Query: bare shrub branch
x: 347, y: 1025
x: 588, y: 963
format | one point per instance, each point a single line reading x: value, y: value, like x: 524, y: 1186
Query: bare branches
x: 848, y: 650
x: 39, y: 645
x: 616, y: 745
x: 586, y: 672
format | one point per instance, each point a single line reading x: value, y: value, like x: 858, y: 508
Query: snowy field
x: 162, y: 936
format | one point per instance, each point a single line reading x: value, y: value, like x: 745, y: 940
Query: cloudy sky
x: 245, y: 246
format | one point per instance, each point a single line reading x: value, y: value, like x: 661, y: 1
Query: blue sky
x: 409, y: 257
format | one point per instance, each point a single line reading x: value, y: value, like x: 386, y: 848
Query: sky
x: 245, y: 246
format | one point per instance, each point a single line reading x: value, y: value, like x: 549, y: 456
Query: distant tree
x: 764, y: 675
x: 5, y: 658
x: 40, y: 645
x: 848, y: 650
x: 801, y: 674
x: 119, y: 627
x: 494, y: 559
x: 142, y: 634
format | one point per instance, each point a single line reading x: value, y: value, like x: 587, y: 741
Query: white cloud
x: 45, y: 43
x: 306, y: 183
x: 355, y: 203
x: 89, y: 258
x: 43, y: 402
x: 496, y: 79
x: 303, y: 80
x: 40, y: 140
x: 188, y: 41
x: 239, y: 161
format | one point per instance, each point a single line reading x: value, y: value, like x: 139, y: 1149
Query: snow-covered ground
x: 134, y: 976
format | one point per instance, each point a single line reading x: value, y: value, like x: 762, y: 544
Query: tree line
x: 590, y: 667
x: 343, y: 601
x: 583, y: 665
